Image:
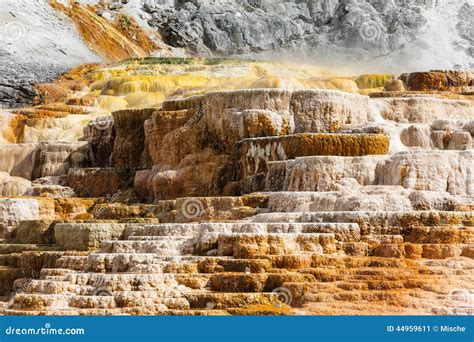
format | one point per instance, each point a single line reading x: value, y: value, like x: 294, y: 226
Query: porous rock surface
x: 247, y: 202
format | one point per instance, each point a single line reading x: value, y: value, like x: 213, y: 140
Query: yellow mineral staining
x: 83, y: 217
x: 277, y: 82
x: 160, y: 78
x: 342, y: 84
x: 81, y: 101
x: 98, y: 90
x: 262, y: 310
x: 141, y: 100
x: 73, y: 208
x: 33, y: 113
x: 12, y: 128
x: 374, y: 80
x: 112, y: 103
x: 134, y: 87
x: 65, y: 108
x: 370, y: 91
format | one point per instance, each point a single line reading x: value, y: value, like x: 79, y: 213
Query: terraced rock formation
x: 222, y: 198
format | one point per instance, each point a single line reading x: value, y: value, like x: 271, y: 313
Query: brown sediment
x: 102, y: 36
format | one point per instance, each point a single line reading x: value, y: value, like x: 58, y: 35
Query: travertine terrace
x: 208, y: 186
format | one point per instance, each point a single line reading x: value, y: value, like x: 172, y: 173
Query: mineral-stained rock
x: 35, y: 263
x: 192, y: 142
x: 56, y: 158
x: 460, y: 141
x: 160, y: 124
x: 426, y: 81
x: 33, y: 161
x: 117, y: 211
x: 212, y: 208
x: 417, y: 135
x: 326, y: 111
x: 18, y: 159
x: 373, y: 81
x: 130, y: 150
x: 432, y: 200
x: 361, y: 199
x: 429, y: 170
x: 14, y: 210
x: 13, y: 186
x: 70, y: 208
x: 51, y: 191
x: 35, y: 232
x: 319, y: 173
x: 424, y: 109
x: 214, y: 175
x: 437, y: 80
x: 258, y: 151
x: 347, y: 224
x: 85, y: 236
x: 367, y: 219
x: 100, y: 134
x: 396, y: 85
x: 441, y: 134
x: 224, y: 117
x: 99, y: 182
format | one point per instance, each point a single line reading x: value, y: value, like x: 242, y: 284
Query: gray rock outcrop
x: 367, y: 30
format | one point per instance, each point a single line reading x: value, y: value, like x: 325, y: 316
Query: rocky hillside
x: 37, y: 45
x: 46, y: 38
x: 374, y: 33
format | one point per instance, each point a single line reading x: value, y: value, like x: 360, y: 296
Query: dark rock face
x: 12, y: 96
x: 252, y: 26
x: 17, y: 80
